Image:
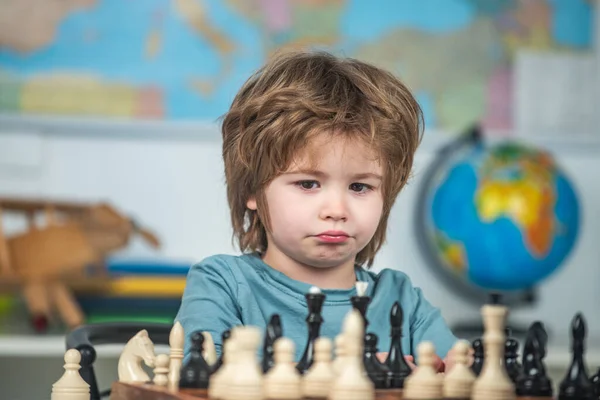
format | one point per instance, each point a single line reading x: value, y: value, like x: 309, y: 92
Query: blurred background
x: 111, y: 179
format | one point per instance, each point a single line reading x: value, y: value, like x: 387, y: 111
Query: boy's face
x: 323, y: 216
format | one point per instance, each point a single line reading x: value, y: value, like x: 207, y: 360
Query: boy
x: 316, y: 150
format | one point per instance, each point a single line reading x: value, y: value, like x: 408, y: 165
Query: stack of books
x: 139, y: 290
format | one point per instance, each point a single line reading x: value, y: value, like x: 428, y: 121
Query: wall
x: 176, y: 187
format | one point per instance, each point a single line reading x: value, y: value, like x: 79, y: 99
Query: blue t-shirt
x: 225, y: 291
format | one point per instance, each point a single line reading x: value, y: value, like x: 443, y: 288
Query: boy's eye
x: 308, y: 184
x: 360, y: 187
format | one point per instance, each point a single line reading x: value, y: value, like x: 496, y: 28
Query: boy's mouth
x: 333, y: 237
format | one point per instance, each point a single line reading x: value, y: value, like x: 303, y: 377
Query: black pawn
x: 576, y: 384
x: 314, y: 301
x: 376, y: 371
x: 196, y: 372
x: 361, y: 303
x: 533, y: 380
x: 478, y: 356
x: 511, y: 360
x: 272, y: 333
x: 395, y: 362
x: 224, y: 338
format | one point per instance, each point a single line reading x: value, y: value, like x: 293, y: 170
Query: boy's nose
x: 335, y: 209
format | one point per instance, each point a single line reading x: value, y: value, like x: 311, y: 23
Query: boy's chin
x: 330, y: 261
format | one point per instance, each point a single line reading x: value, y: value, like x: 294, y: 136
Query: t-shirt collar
x: 299, y: 289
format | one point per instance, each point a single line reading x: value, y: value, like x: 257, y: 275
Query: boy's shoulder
x: 392, y: 285
x: 227, y: 264
x: 386, y: 276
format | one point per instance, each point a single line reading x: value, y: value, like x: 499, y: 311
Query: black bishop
x: 395, y: 362
x: 533, y: 380
x: 273, y: 332
x: 576, y: 384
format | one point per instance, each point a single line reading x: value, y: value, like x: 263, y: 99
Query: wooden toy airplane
x: 50, y: 258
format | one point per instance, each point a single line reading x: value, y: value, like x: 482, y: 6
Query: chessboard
x: 126, y: 391
x: 342, y: 369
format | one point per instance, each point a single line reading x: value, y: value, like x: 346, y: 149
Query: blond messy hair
x: 295, y: 96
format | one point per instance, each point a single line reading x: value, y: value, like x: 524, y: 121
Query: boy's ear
x: 251, y: 203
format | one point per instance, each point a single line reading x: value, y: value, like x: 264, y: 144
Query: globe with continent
x: 499, y: 218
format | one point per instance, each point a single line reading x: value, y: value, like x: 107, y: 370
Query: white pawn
x: 161, y: 370
x: 353, y: 383
x: 282, y: 382
x: 71, y: 385
x: 316, y: 382
x: 246, y: 381
x: 217, y: 384
x: 458, y: 382
x: 340, y: 354
x: 424, y: 382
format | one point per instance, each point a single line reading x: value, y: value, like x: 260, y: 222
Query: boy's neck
x: 342, y: 276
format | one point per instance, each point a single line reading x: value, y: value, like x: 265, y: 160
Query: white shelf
x: 42, y: 346
x: 51, y: 346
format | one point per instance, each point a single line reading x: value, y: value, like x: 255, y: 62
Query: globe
x: 497, y: 218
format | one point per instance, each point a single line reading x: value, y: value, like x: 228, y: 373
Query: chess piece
x: 511, y: 362
x: 493, y: 382
x: 539, y: 330
x: 71, y: 385
x: 283, y: 380
x: 314, y: 301
x: 533, y: 380
x: 272, y: 333
x: 424, y: 383
x: 139, y: 348
x: 217, y: 383
x: 196, y: 372
x: 246, y: 380
x: 576, y: 384
x: 210, y: 352
x: 224, y: 338
x: 478, y: 356
x: 161, y: 370
x: 176, y: 342
x: 458, y: 381
x: 316, y: 382
x: 340, y: 354
x: 596, y: 383
x: 396, y: 364
x: 361, y: 301
x: 376, y: 371
x: 352, y: 383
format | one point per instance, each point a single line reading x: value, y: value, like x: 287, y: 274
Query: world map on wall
x: 185, y: 59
